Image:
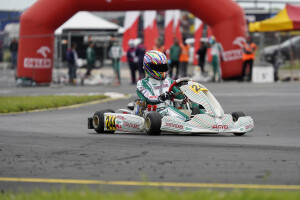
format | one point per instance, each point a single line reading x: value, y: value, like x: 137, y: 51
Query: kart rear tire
x: 235, y: 117
x: 153, y: 123
x: 98, y: 121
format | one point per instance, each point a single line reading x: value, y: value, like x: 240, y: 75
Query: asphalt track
x: 57, y: 147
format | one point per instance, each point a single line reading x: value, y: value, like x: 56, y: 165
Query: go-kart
x: 141, y: 116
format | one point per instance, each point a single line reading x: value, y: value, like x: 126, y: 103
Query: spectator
x: 249, y: 49
x: 115, y: 53
x: 202, y: 54
x: 184, y: 58
x: 216, y: 53
x: 131, y: 59
x: 1, y: 50
x: 174, y: 58
x: 14, y: 53
x: 140, y: 52
x: 72, y: 58
x: 158, y: 46
x: 91, y: 58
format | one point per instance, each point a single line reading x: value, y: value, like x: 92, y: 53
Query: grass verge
x: 204, y: 194
x: 11, y: 104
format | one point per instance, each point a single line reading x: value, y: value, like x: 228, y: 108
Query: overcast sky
x: 16, y: 4
x: 23, y: 4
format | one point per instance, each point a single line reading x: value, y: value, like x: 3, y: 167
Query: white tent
x: 13, y: 30
x: 86, y: 20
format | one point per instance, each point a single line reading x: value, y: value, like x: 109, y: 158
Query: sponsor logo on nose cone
x: 249, y: 126
x: 220, y: 127
x: 188, y: 128
x: 174, y: 125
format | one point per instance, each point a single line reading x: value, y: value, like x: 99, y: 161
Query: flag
x: 150, y: 29
x: 131, y: 30
x: 197, y: 38
x: 169, y: 18
x: 177, y: 26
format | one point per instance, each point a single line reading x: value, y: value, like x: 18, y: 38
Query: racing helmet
x: 212, y: 39
x: 156, y: 64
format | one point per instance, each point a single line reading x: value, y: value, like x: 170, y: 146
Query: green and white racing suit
x: 149, y: 89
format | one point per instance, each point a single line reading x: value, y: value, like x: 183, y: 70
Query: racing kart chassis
x: 141, y: 117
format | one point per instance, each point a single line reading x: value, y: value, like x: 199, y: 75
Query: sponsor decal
x: 188, y: 128
x: 118, y: 126
x: 235, y: 54
x: 39, y: 63
x: 239, y: 41
x: 118, y: 122
x: 44, y: 51
x: 131, y: 125
x: 153, y: 97
x: 196, y: 88
x: 249, y: 126
x: 174, y: 125
x: 220, y: 127
x: 120, y: 117
x: 158, y: 87
x: 110, y: 122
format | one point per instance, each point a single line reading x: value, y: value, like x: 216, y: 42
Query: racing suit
x: 149, y: 89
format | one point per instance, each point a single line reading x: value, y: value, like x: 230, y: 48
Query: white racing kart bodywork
x: 213, y: 121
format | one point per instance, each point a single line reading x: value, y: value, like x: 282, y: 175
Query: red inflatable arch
x: 38, y: 23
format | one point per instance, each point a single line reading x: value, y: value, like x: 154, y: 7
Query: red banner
x: 150, y: 29
x: 131, y: 22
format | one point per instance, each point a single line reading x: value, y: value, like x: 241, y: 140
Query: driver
x: 154, y: 88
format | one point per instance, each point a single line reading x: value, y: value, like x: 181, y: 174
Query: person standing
x: 91, y: 58
x: 131, y: 59
x: 202, y: 55
x: 14, y: 53
x: 140, y: 52
x: 184, y: 58
x: 249, y: 49
x: 115, y: 53
x: 158, y: 46
x: 72, y: 58
x: 1, y: 50
x: 174, y: 58
x: 216, y: 53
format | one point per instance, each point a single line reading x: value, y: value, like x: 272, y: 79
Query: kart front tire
x: 235, y: 117
x: 98, y: 121
x: 153, y: 123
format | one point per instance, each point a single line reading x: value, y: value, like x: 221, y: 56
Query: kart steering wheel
x: 177, y: 82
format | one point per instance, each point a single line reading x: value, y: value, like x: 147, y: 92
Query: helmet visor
x: 160, y: 68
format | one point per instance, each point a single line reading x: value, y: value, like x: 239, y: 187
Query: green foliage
x: 202, y: 194
x: 9, y: 104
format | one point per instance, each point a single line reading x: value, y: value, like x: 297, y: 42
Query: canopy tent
x: 84, y: 20
x: 287, y: 19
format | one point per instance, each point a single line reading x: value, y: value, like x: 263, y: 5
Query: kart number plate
x: 110, y: 122
x: 196, y: 88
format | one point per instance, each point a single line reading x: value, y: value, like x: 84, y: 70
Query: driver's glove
x: 166, y: 96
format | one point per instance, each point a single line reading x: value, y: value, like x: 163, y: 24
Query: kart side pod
x: 109, y: 122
